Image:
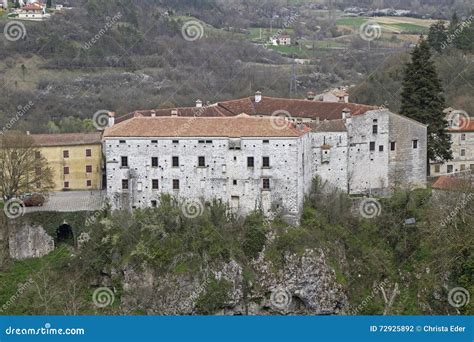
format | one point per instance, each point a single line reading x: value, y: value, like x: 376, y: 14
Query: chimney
x: 258, y: 97
x: 111, y: 119
x: 346, y: 113
x: 310, y: 96
x: 174, y: 112
x: 27, y: 132
x: 198, y: 103
x: 153, y: 113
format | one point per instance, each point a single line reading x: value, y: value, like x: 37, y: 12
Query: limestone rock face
x: 305, y: 285
x: 29, y: 241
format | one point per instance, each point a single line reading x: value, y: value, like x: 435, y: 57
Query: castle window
x: 266, y: 183
x: 154, y: 141
x: 463, y: 136
x: 175, y: 141
x: 250, y: 162
x: 66, y: 170
x: 436, y: 168
x: 65, y: 154
x: 463, y: 152
x: 124, y: 184
x: 154, y: 161
x: 154, y: 203
x: 201, y: 161
x: 154, y: 184
x: 449, y: 169
x: 208, y: 141
x: 415, y: 143
x: 124, y: 161
x: 234, y: 182
x: 372, y: 146
x: 88, y: 182
x: 380, y: 148
x: 175, y: 162
x: 266, y: 141
x: 392, y: 146
x: 88, y: 152
x: 265, y: 161
x: 88, y: 168
x: 375, y: 129
x: 175, y: 184
x: 122, y: 142
x: 66, y: 185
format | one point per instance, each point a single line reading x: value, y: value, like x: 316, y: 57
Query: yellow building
x: 75, y: 158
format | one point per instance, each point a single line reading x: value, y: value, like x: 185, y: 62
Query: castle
x: 260, y: 152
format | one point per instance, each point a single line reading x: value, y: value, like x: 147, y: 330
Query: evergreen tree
x: 437, y: 36
x: 49, y: 3
x: 423, y: 100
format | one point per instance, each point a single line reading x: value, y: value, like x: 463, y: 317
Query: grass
x: 406, y: 27
x: 266, y: 33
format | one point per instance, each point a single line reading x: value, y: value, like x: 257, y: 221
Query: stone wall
x: 28, y: 241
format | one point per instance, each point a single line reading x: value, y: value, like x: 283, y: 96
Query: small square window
x: 436, y: 168
x: 124, y: 184
x: 201, y: 161
x: 122, y: 141
x: 88, y: 168
x: 266, y: 141
x: 208, y: 141
x: 175, y: 184
x: 234, y: 182
x: 154, y: 184
x: 175, y: 141
x: 415, y: 143
x: 124, y: 161
x: 463, y: 152
x: 380, y: 148
x: 266, y: 183
x: 463, y: 136
x: 89, y: 183
x: 175, y: 162
x: 154, y: 141
x: 66, y: 185
x: 265, y: 161
x: 462, y: 167
x: 201, y: 141
x: 372, y: 146
x: 65, y: 154
x: 250, y: 162
x: 88, y: 152
x: 66, y: 170
x: 154, y: 203
x: 449, y: 168
x: 154, y: 161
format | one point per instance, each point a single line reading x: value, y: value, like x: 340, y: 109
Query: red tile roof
x: 241, y: 125
x: 451, y: 183
x: 266, y: 106
x: 464, y: 125
x: 33, y: 6
x: 66, y: 139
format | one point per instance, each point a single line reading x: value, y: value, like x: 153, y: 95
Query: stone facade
x: 368, y: 153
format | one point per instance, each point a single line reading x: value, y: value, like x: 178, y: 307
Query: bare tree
x: 22, y: 167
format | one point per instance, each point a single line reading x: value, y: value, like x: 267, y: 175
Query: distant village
x: 31, y: 10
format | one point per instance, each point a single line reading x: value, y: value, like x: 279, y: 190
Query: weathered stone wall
x: 223, y: 167
x: 27, y: 240
x: 407, y: 165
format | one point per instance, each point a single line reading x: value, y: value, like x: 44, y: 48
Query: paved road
x: 68, y: 201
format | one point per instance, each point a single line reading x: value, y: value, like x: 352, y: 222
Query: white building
x: 461, y: 130
x: 203, y: 152
x: 35, y: 11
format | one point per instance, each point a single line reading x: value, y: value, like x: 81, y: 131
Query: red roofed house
x: 461, y: 130
x: 33, y: 11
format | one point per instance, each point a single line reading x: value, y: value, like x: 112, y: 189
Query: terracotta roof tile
x: 451, y: 183
x: 66, y: 139
x: 464, y: 125
x: 236, y: 126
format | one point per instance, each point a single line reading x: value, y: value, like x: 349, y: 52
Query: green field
x: 388, y: 24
